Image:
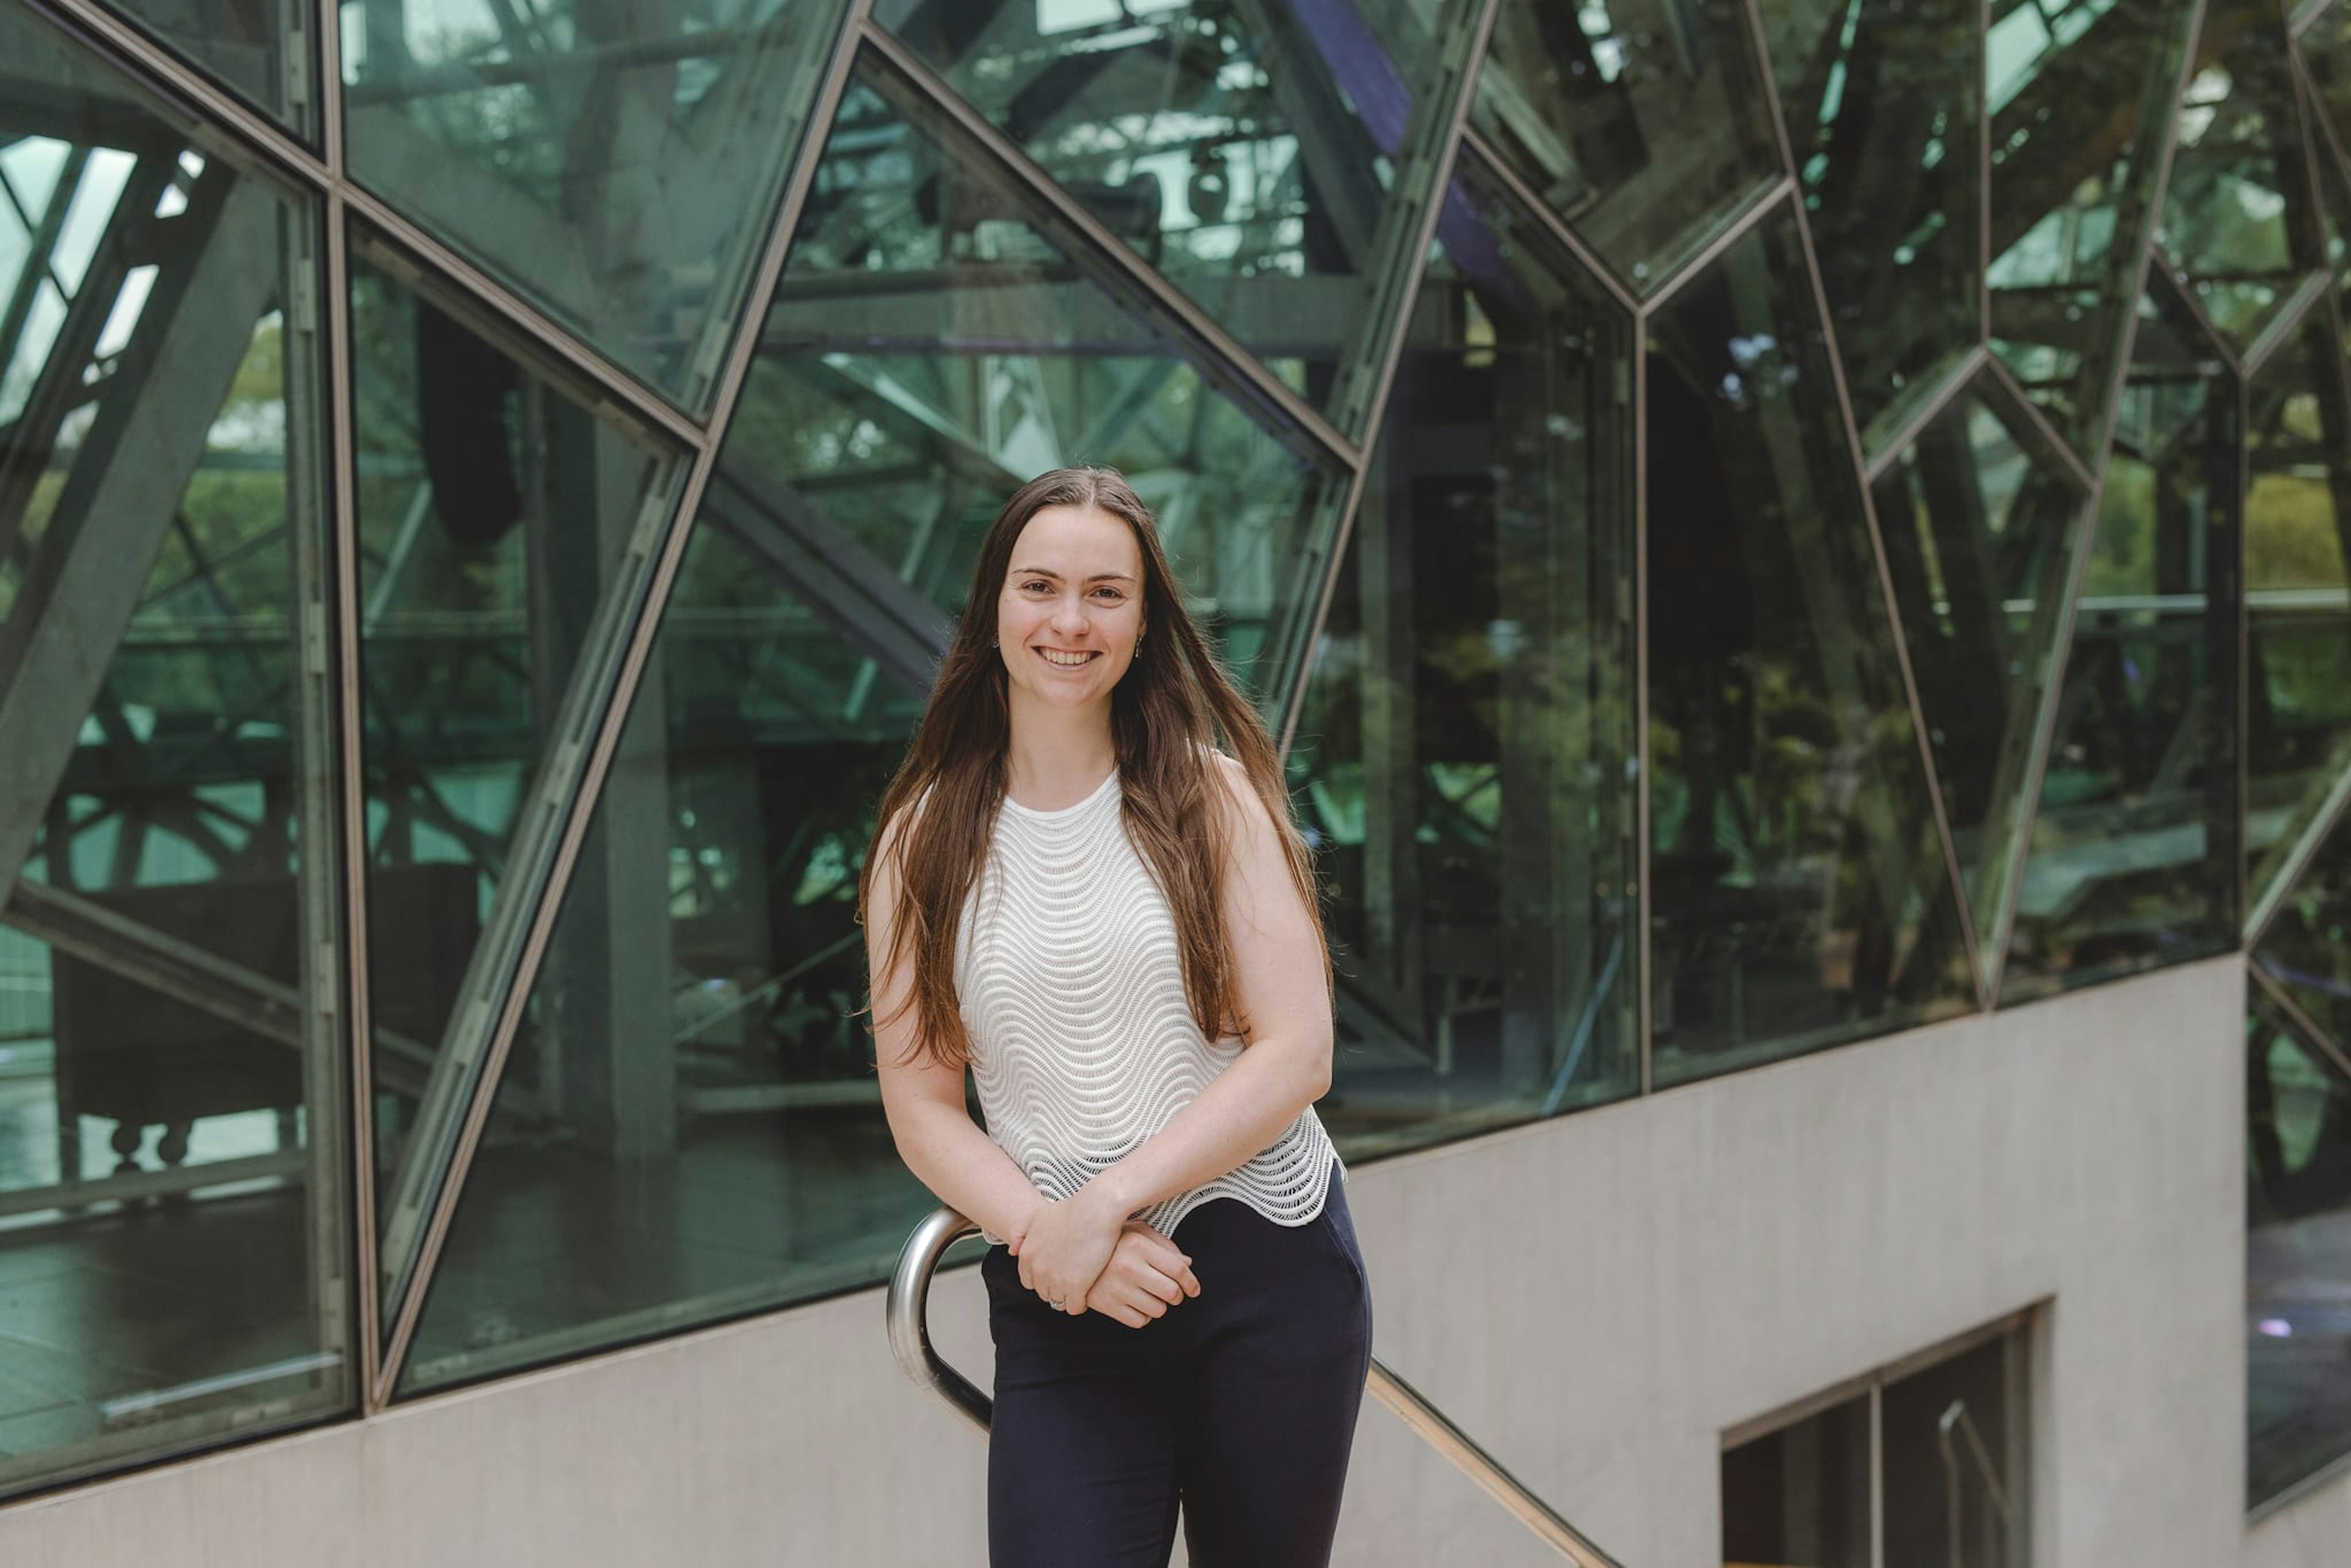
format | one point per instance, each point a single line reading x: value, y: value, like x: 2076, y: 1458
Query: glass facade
x: 176, y: 1253
x: 1913, y: 1467
x: 1759, y: 526
x: 2298, y: 1248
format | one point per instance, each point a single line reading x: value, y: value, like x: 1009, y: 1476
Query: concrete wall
x: 1596, y: 1300
x: 2311, y: 1532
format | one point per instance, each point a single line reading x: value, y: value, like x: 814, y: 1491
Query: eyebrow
x: 1048, y: 571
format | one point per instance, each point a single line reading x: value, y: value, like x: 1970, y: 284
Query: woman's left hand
x: 1068, y: 1244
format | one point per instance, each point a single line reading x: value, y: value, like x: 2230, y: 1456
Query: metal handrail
x: 907, y: 1309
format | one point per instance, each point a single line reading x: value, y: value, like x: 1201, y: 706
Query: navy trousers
x: 1239, y: 1403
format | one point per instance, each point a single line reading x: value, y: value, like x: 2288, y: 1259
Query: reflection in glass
x: 930, y: 348
x: 1884, y: 104
x: 2306, y: 946
x: 2080, y: 93
x: 2297, y: 1258
x: 492, y: 509
x: 1982, y: 526
x: 1244, y: 151
x: 264, y: 52
x: 2325, y: 45
x: 172, y: 1166
x: 1462, y: 763
x: 1801, y: 1494
x: 2237, y: 217
x: 1954, y: 1462
x: 1646, y: 126
x: 616, y: 164
x: 2298, y: 616
x: 2135, y: 851
x: 1799, y: 891
x: 689, y: 1125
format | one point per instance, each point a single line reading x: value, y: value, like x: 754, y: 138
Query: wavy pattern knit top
x: 1082, y: 1043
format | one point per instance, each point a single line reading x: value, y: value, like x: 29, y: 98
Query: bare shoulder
x: 1236, y: 796
x: 1229, y: 771
x: 890, y: 836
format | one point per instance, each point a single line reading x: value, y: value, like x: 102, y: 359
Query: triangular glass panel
x: 1648, y: 127
x: 2081, y: 95
x: 1245, y: 152
x: 1464, y: 761
x: 2239, y: 219
x: 698, y: 1132
x: 2298, y: 1182
x: 263, y: 52
x: 174, y: 1167
x: 2326, y: 47
x: 501, y: 525
x: 1982, y: 522
x: 2297, y: 623
x: 1800, y: 889
x: 1884, y: 115
x: 2133, y: 860
x: 2306, y: 947
x: 616, y: 165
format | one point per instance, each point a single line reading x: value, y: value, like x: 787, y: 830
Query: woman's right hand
x: 1146, y: 1275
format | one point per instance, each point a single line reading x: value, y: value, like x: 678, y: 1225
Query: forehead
x: 1077, y: 541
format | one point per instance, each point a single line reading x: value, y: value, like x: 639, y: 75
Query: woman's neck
x: 1057, y: 757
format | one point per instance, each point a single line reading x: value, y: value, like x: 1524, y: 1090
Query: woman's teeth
x: 1054, y: 657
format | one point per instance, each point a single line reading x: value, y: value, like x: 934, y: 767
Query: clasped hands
x: 1084, y: 1255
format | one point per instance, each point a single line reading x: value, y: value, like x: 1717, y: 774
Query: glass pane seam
x: 2296, y: 1019
x: 196, y: 96
x: 2280, y: 876
x: 1297, y: 668
x: 2182, y: 48
x: 326, y: 33
x: 2242, y: 695
x: 2044, y: 740
x: 1404, y: 269
x: 343, y: 556
x: 1423, y: 177
x: 313, y: 520
x: 1645, y: 938
x: 634, y: 400
x: 1767, y: 85
x: 190, y: 92
x: 1766, y: 202
x: 1956, y: 385
x: 613, y: 714
x: 2150, y: 265
x: 2279, y: 330
x: 1856, y: 459
x: 2019, y: 408
x: 2324, y: 131
x: 1493, y: 165
x: 532, y: 882
x: 2082, y: 535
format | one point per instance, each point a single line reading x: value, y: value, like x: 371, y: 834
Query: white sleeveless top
x: 1083, y: 1044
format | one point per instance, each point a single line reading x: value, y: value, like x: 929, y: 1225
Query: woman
x: 1109, y: 921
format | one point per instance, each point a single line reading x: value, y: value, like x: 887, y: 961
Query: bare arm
x: 1285, y: 1068
x: 935, y: 1135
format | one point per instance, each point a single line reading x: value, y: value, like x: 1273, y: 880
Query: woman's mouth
x: 1068, y: 661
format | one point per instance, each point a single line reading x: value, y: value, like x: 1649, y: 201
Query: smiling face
x: 1070, y: 610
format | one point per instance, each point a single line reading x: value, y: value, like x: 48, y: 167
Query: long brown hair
x: 1174, y: 704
